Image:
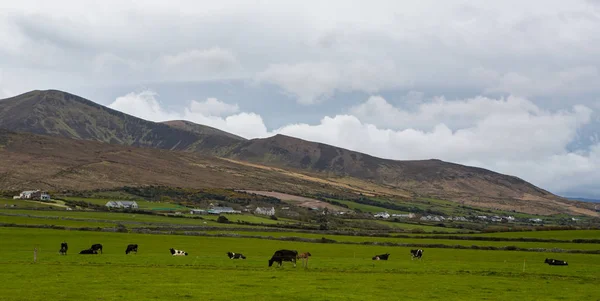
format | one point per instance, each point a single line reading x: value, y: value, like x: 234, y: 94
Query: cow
x: 178, y: 252
x: 131, y: 248
x: 88, y: 251
x: 304, y: 257
x: 97, y: 247
x: 381, y: 257
x: 551, y: 261
x: 417, y: 253
x: 284, y: 255
x: 232, y: 255
x: 63, y: 248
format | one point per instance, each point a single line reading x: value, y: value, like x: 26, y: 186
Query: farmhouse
x: 382, y: 215
x: 33, y: 195
x: 410, y: 215
x: 197, y: 211
x: 220, y: 210
x: 122, y: 204
x: 265, y: 211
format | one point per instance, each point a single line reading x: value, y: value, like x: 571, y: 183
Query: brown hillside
x: 62, y: 114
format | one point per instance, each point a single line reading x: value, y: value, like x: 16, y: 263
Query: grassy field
x: 336, y: 272
x: 560, y: 234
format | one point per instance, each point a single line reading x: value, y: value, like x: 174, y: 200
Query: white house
x: 410, y: 215
x: 382, y: 215
x: 225, y: 210
x: 122, y: 204
x: 197, y: 211
x: 265, y: 211
x: 34, y: 195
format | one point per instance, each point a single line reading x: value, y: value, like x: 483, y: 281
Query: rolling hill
x: 61, y: 114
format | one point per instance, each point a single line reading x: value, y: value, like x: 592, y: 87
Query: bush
x: 222, y: 219
x: 273, y: 217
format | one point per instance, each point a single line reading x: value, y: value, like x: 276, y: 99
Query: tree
x: 222, y: 219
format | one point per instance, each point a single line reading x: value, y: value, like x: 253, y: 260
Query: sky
x: 512, y: 86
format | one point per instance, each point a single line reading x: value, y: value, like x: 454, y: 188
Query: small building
x: 197, y: 211
x: 34, y: 195
x: 382, y: 215
x: 223, y: 210
x: 409, y: 215
x: 122, y: 204
x: 265, y: 211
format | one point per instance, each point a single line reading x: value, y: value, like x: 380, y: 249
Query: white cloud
x: 210, y: 112
x: 204, y: 61
x: 212, y: 107
x: 312, y: 82
x: 511, y: 135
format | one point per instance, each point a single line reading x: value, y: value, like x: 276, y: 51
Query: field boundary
x: 303, y: 239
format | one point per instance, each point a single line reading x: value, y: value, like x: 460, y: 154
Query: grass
x: 336, y: 272
x: 558, y: 234
x: 141, y: 203
x: 366, y: 208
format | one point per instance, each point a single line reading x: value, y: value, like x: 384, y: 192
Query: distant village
x: 40, y: 195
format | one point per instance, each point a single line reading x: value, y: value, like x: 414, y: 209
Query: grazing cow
x: 178, y: 252
x: 88, y: 251
x: 418, y: 253
x: 232, y: 255
x: 63, y: 248
x: 97, y: 247
x: 131, y: 248
x: 551, y: 261
x: 304, y: 257
x: 284, y: 255
x: 381, y: 257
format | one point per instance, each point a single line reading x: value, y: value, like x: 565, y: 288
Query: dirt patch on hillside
x: 297, y: 200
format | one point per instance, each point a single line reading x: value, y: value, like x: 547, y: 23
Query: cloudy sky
x: 513, y: 86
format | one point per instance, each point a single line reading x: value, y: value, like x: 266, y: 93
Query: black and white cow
x: 232, y: 255
x: 131, y: 248
x: 551, y: 261
x: 178, y: 252
x: 381, y: 257
x: 417, y: 253
x: 97, y: 247
x: 63, y: 248
x: 284, y: 255
x: 88, y: 251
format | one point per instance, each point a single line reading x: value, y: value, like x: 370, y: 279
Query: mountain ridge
x: 61, y: 114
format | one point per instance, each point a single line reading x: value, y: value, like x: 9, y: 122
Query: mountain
x: 30, y: 161
x: 200, y: 129
x: 62, y: 114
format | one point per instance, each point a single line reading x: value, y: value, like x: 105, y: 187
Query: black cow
x: 381, y: 257
x: 63, y: 248
x: 418, y: 253
x: 88, y: 251
x: 232, y: 255
x: 284, y: 255
x: 97, y: 247
x: 131, y: 248
x: 551, y: 261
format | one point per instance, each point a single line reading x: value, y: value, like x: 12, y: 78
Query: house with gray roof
x: 122, y: 204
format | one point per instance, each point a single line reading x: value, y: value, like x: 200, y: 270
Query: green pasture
x: 141, y: 203
x: 407, y: 226
x: 336, y: 272
x: 402, y: 240
x: 557, y: 234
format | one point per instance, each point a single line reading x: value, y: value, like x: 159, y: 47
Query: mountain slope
x: 200, y: 129
x: 62, y: 114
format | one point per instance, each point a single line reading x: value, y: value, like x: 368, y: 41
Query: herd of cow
x: 279, y: 256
